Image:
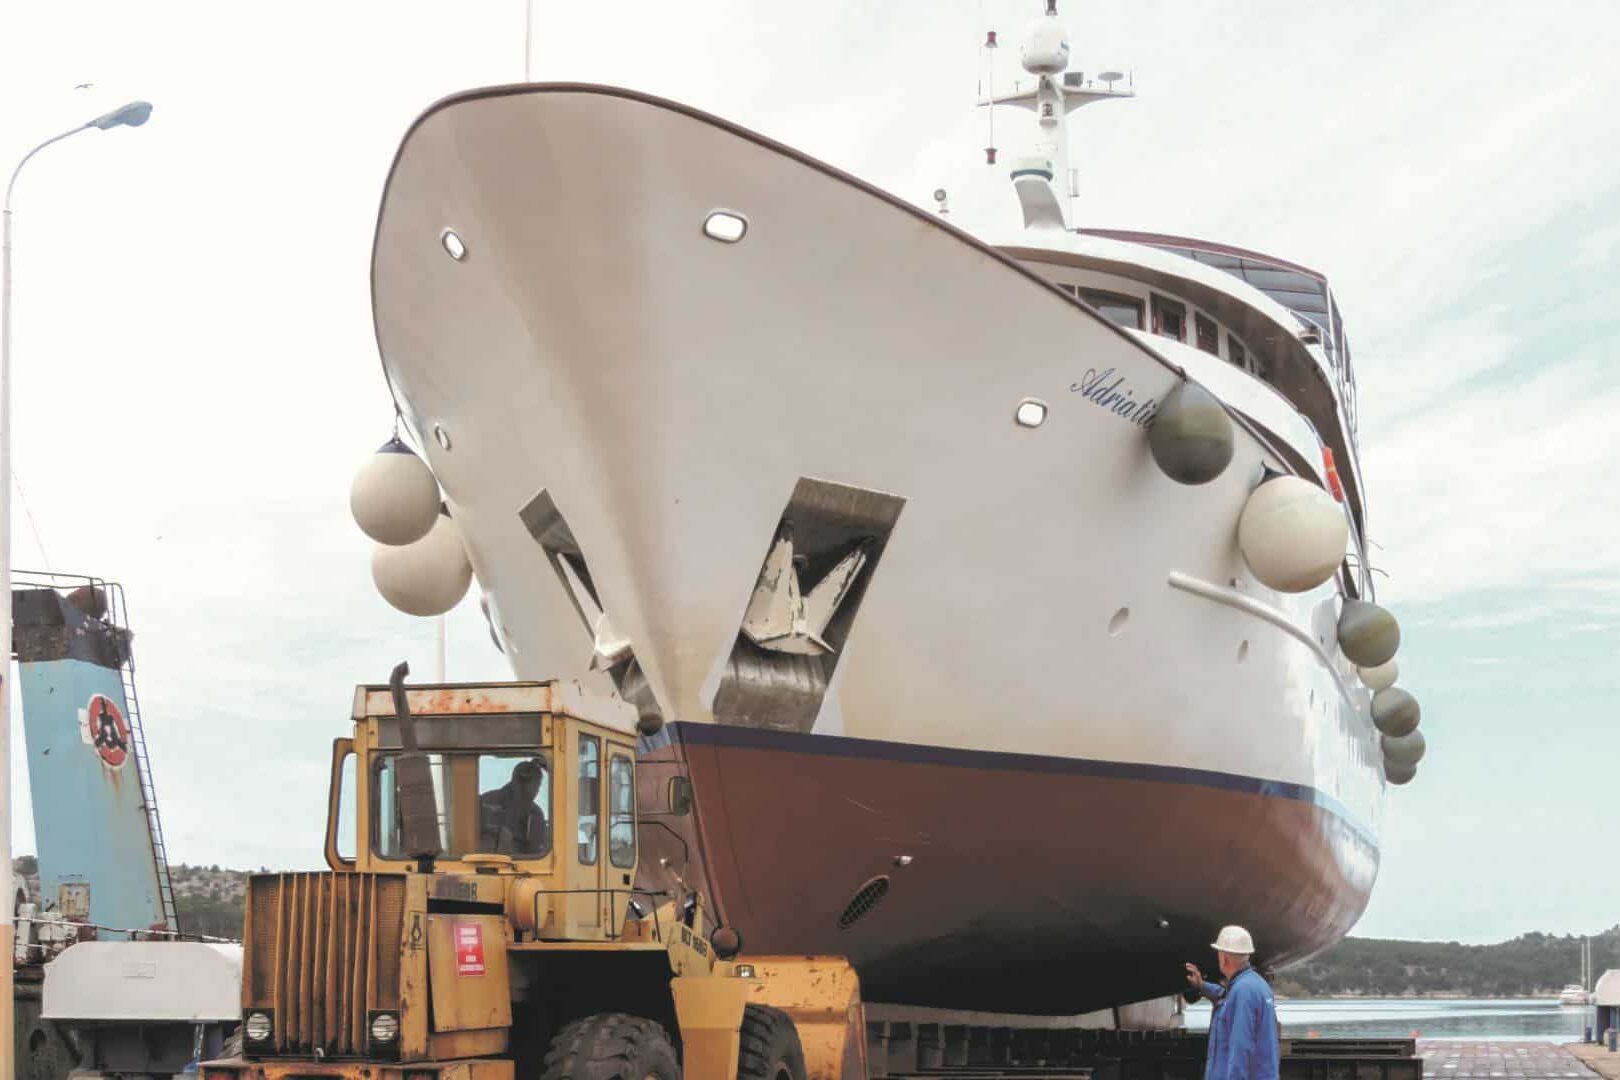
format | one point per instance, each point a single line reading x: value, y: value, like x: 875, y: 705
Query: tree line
x: 1527, y: 966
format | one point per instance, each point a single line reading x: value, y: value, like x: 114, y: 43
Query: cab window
x: 590, y: 791
x: 488, y: 803
x: 622, y: 811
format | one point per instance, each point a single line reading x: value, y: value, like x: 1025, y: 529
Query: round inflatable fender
x: 394, y: 498
x: 1191, y: 435
x: 1368, y: 634
x: 428, y: 577
x: 1395, y: 712
x: 1381, y: 677
x: 1292, y: 534
x: 1404, y: 749
x: 1399, y: 774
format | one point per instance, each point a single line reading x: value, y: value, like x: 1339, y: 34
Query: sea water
x: 1535, y: 1019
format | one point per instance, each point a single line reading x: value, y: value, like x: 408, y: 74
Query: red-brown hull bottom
x: 1015, y: 884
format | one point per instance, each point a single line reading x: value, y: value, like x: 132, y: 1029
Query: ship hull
x: 1013, y: 883
x: 598, y: 380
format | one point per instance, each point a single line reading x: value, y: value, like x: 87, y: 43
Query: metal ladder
x: 143, y: 771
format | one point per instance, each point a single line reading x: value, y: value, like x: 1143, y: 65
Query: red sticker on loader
x: 469, y: 949
x: 106, y: 730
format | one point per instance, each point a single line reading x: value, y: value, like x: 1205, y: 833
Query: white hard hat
x: 1234, y: 939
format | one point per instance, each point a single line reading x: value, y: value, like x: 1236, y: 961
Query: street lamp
x: 132, y: 115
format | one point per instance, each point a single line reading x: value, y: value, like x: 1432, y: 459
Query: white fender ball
x: 1404, y: 749
x: 1292, y: 534
x: 1368, y: 634
x: 428, y: 577
x: 1395, y: 712
x: 1191, y: 436
x: 1397, y: 773
x: 394, y: 497
x: 1381, y: 677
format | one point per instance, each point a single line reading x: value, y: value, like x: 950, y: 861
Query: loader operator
x: 509, y: 821
x: 1243, y: 1042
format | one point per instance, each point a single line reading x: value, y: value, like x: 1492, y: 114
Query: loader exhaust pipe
x: 413, y: 793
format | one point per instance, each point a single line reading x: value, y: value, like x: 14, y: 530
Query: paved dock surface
x: 1597, y: 1058
x: 1485, y: 1060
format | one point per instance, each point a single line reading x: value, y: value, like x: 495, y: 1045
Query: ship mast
x: 1042, y: 178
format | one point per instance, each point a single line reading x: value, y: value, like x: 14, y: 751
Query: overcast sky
x: 195, y: 376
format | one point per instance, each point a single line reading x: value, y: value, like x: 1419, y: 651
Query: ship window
x: 590, y: 772
x: 622, y: 811
x: 1237, y: 354
x: 1124, y: 311
x: 1209, y: 338
x: 1169, y: 318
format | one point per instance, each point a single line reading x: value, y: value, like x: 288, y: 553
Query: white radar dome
x: 1292, y: 534
x: 1046, y: 47
x: 394, y: 497
x: 428, y: 577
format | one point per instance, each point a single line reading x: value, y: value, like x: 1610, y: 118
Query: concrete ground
x: 1489, y: 1060
x: 1598, y: 1058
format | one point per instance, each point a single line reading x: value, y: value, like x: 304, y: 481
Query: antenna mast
x: 990, y: 79
x: 1056, y: 93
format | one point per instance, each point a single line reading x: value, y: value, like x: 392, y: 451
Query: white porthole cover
x: 1031, y: 413
x: 726, y: 226
x: 453, y: 244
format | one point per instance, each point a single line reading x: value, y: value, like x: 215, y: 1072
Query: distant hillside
x: 1527, y: 966
x: 208, y: 899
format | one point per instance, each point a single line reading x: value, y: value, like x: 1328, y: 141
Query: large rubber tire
x: 770, y: 1046
x: 611, y: 1046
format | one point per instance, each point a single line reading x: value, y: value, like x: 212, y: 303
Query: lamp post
x: 132, y: 115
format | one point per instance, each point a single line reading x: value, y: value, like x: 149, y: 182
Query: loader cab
x: 529, y: 778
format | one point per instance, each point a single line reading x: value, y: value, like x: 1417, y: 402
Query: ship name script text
x: 1107, y: 390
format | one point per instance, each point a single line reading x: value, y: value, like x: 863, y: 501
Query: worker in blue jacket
x: 1243, y: 1027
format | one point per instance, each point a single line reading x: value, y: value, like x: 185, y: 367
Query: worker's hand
x: 1195, y: 978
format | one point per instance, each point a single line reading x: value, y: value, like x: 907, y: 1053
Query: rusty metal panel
x: 323, y: 951
x: 465, y: 702
x: 89, y: 816
x: 822, y: 994
x: 263, y: 914
x: 467, y: 970
x: 388, y: 934
x: 410, y: 959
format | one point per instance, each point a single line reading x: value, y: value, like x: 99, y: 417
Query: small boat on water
x: 1574, y: 994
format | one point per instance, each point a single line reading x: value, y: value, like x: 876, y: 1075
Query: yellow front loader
x: 480, y: 919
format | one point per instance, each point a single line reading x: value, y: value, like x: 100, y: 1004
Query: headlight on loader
x: 256, y: 1027
x: 384, y: 1028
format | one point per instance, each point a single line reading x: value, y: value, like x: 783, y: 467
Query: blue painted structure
x: 91, y: 820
